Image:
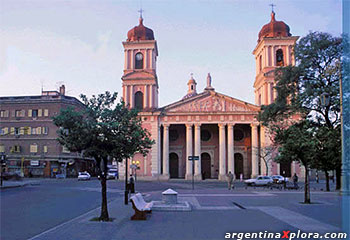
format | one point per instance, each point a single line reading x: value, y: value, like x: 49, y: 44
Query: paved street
x: 61, y: 209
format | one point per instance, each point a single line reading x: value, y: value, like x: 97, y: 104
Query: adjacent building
x: 222, y: 130
x: 28, y: 135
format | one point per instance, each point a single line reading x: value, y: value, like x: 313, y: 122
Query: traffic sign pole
x: 193, y: 158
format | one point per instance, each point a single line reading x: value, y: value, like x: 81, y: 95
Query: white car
x: 259, y: 181
x: 279, y: 179
x: 84, y: 176
x: 112, y: 174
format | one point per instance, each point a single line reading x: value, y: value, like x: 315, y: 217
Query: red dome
x: 274, y: 29
x: 140, y: 32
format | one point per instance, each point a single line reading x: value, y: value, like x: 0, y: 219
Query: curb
x: 20, y: 185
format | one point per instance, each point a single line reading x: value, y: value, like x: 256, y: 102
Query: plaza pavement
x: 215, y: 212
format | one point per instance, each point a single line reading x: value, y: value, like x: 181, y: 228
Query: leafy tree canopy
x: 103, y: 129
x: 300, y: 87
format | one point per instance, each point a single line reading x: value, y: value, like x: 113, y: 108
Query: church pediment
x: 138, y: 75
x: 211, y: 102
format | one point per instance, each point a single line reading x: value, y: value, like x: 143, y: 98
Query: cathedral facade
x: 221, y: 130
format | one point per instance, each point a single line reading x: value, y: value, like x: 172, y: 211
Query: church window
x: 192, y: 87
x: 139, y: 61
x: 205, y: 135
x: 279, y: 57
x: 138, y: 100
x: 238, y: 135
x: 173, y: 135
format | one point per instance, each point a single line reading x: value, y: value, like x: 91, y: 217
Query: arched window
x: 139, y: 100
x: 138, y: 61
x: 279, y: 57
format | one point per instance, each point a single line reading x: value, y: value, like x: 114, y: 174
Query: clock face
x: 139, y: 56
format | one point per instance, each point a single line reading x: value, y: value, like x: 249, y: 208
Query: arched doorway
x: 238, y: 165
x: 285, y: 169
x: 206, y: 165
x: 138, y: 100
x: 174, y: 165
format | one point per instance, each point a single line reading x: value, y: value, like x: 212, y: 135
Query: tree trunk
x: 338, y: 178
x: 104, y: 209
x: 327, y: 180
x: 267, y: 168
x: 307, y: 187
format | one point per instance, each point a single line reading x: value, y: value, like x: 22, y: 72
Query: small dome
x: 140, y: 32
x: 192, y: 91
x: 274, y: 29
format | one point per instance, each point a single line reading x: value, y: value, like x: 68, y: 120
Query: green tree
x: 299, y: 88
x: 103, y: 130
x: 328, y: 150
x: 298, y: 144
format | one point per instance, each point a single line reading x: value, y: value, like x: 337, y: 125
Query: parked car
x: 83, y: 176
x: 112, y: 174
x: 278, y: 179
x: 259, y: 181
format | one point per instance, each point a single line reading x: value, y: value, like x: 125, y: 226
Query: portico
x: 211, y: 131
x: 220, y: 150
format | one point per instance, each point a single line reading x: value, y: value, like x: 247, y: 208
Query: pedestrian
x: 230, y: 180
x: 295, y: 180
x: 241, y: 177
x: 132, y: 184
x: 317, y: 177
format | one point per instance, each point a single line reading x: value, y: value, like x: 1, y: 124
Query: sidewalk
x: 15, y: 184
x: 212, y: 216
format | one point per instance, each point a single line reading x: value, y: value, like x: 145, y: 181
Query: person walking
x: 132, y: 184
x: 295, y: 180
x: 230, y: 180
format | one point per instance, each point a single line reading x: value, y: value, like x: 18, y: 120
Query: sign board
x: 133, y: 166
x: 193, y: 158
x: 34, y: 163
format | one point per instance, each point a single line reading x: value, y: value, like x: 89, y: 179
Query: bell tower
x: 274, y: 49
x: 140, y: 83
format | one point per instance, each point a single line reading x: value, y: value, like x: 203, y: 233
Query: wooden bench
x: 140, y: 206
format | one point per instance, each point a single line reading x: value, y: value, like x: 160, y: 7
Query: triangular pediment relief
x: 211, y: 102
x: 138, y: 75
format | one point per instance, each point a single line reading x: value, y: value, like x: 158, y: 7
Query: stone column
x: 269, y: 93
x: 165, y: 174
x: 263, y: 145
x: 197, y: 152
x: 273, y: 56
x: 287, y: 55
x: 189, y: 151
x: 145, y: 97
x: 146, y: 59
x: 255, y: 158
x: 126, y: 99
x: 132, y: 61
x: 230, y: 149
x: 222, y: 152
x: 131, y: 96
x: 151, y: 96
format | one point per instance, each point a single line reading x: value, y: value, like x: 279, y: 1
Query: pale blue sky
x: 78, y: 43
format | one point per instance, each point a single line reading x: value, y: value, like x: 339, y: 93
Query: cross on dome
x: 272, y: 5
x: 141, y: 11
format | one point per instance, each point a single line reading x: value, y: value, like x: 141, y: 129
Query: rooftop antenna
x: 42, y: 85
